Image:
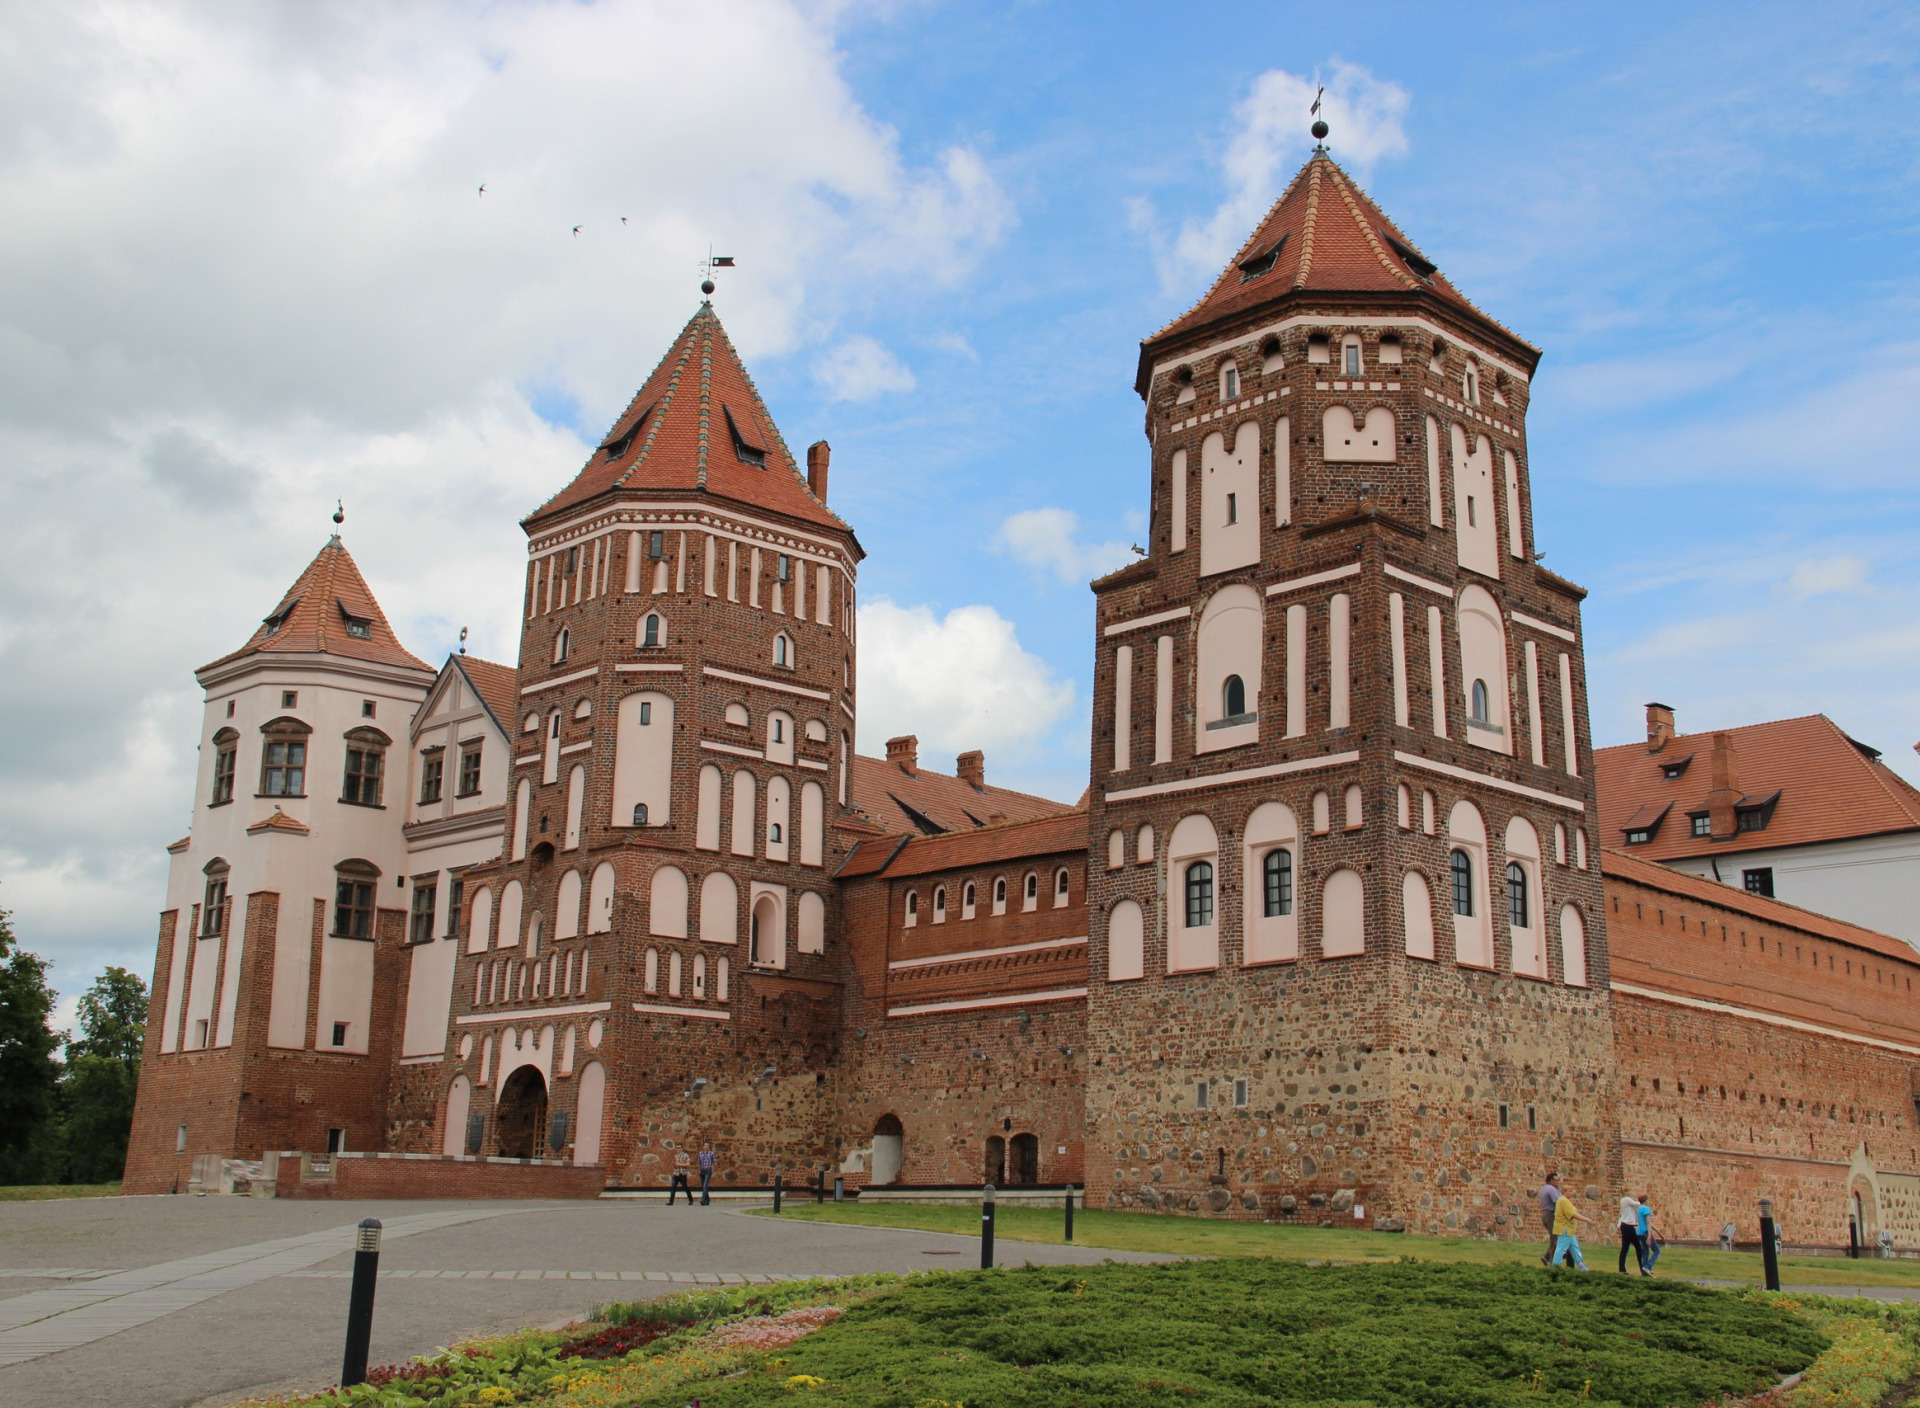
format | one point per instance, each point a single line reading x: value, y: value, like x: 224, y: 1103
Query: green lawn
x: 39, y: 1192
x: 1241, y: 1332
x: 1192, y: 1236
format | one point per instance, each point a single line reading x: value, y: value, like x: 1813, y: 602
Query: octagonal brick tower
x: 648, y: 963
x: 1348, y: 953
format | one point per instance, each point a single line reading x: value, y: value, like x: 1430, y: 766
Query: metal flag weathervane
x: 1319, y: 128
x: 713, y: 261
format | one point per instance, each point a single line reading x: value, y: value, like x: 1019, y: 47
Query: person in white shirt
x: 1630, y: 1235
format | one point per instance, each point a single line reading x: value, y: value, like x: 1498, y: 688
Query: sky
x: 247, y: 271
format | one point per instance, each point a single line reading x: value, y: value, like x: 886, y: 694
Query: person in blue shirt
x: 1649, y: 1243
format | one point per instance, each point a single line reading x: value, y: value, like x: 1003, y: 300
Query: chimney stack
x: 1659, y: 726
x: 1726, y: 788
x: 971, y: 768
x: 905, y: 752
x: 818, y: 454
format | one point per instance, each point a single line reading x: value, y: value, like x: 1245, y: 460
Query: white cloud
x: 247, y: 269
x: 957, y: 681
x: 1269, y: 139
x: 1820, y: 576
x: 860, y: 369
x: 1048, y: 540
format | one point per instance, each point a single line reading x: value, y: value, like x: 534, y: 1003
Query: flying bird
x: 576, y: 232
x: 483, y: 188
x: 1138, y: 549
x: 623, y: 219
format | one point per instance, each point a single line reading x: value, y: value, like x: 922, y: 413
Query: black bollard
x: 820, y: 1185
x: 366, y: 1271
x: 776, y: 1192
x: 1769, y: 1253
x: 986, y: 1228
x: 1069, y: 1212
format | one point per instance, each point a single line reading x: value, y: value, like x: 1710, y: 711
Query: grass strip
x: 45, y: 1192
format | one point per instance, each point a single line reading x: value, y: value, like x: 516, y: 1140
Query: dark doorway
x: 521, y: 1122
x: 1025, y: 1170
x: 996, y: 1171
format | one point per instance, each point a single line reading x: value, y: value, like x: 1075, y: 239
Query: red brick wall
x: 402, y: 1176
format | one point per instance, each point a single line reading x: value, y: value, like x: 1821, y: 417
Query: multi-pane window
x: 1703, y: 825
x: 1758, y: 881
x: 433, y: 764
x: 420, y: 920
x: 213, y: 909
x: 1276, y: 871
x: 1462, y: 868
x: 283, y: 764
x: 353, y: 903
x: 469, y: 770
x: 1516, y: 895
x: 456, y: 898
x: 1199, y: 895
x: 1352, y: 354
x: 366, y: 754
x: 227, y: 746
x: 656, y: 545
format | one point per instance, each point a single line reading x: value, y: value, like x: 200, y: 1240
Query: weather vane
x: 339, y: 513
x: 1319, y: 128
x: 713, y: 261
x: 463, y: 640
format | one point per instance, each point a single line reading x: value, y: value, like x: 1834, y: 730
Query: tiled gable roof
x: 928, y: 803
x: 315, y: 615
x: 1323, y: 235
x: 498, y: 687
x: 1829, y: 788
x: 279, y: 821
x: 680, y: 430
x: 1018, y: 840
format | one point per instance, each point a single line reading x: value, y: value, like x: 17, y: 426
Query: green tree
x: 101, y: 1076
x: 28, y: 1070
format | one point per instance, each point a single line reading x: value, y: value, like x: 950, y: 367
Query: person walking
x: 1549, y: 1198
x: 681, y: 1163
x: 706, y: 1170
x: 1566, y: 1220
x: 1630, y: 1234
x: 1649, y: 1243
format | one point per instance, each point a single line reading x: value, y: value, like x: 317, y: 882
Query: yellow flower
x: 496, y: 1394
x: 805, y: 1381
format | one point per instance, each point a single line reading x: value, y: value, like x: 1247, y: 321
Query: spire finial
x: 463, y: 640
x: 339, y: 513
x: 1319, y: 128
x: 713, y: 261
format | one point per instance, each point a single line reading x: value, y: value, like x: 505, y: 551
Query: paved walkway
x: 157, y: 1323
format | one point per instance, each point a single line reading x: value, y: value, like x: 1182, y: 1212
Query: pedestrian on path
x: 1566, y: 1220
x: 706, y: 1170
x: 1630, y: 1207
x: 1650, y: 1243
x: 1549, y: 1197
x: 681, y: 1163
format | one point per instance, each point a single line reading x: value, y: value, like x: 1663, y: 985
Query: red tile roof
x: 313, y: 616
x: 931, y: 802
x: 897, y: 856
x: 1326, y: 236
x: 279, y: 821
x: 1637, y: 869
x: 498, y: 687
x: 679, y: 433
x: 1831, y: 788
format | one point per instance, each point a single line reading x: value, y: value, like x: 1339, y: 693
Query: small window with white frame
x: 783, y: 651
x: 913, y: 909
x: 653, y: 631
x: 1240, y: 1093
x: 939, y: 904
x: 1203, y: 1095
x: 1030, y: 892
x: 1470, y: 383
x: 1229, y: 380
x: 1352, y: 356
x: 968, y: 895
x: 1000, y: 894
x: 1062, y: 887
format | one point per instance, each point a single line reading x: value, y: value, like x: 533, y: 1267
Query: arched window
x: 653, y: 632
x: 774, y: 834
x: 1462, y: 866
x: 967, y: 897
x: 1030, y: 898
x: 560, y: 644
x: 213, y: 910
x: 283, y: 759
x: 1479, y: 704
x: 1233, y: 698
x: 1516, y: 895
x: 639, y: 813
x: 1000, y: 895
x: 913, y: 908
x: 1062, y: 887
x: 1199, y: 895
x: 1276, y: 873
x: 226, y: 745
x: 782, y: 650
x: 939, y: 904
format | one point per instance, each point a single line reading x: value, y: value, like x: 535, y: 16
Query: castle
x: 1329, y: 937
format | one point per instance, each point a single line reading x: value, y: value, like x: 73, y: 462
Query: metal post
x: 1853, y: 1236
x: 366, y: 1271
x: 986, y: 1228
x: 1769, y: 1254
x: 820, y: 1185
x: 839, y: 1189
x: 776, y: 1191
x: 1069, y: 1212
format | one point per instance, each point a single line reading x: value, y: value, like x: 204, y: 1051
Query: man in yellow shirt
x: 1566, y: 1220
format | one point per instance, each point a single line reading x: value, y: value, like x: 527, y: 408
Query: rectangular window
x: 339, y: 1039
x: 367, y: 708
x: 1503, y: 1117
x: 353, y: 909
x: 656, y: 545
x: 1202, y: 1095
x: 1277, y: 873
x: 456, y: 900
x: 180, y: 1140
x: 1703, y: 826
x: 469, y: 770
x: 476, y: 1132
x: 420, y: 925
x: 362, y: 785
x: 1199, y: 895
x: 200, y: 1034
x: 646, y: 711
x: 1759, y: 881
x: 223, y: 765
x: 337, y: 1138
x: 431, y: 766
x: 213, y: 912
x: 1233, y: 508
x: 1240, y: 1093
x: 283, y: 770
x: 289, y: 699
x: 573, y: 560
x: 1532, y: 1119
x: 1638, y: 838
x: 1353, y: 360
x: 1750, y: 819
x: 784, y: 568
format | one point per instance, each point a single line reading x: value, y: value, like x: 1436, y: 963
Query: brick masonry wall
x: 397, y: 1176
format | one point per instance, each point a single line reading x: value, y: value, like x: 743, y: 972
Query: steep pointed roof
x: 329, y: 610
x: 1324, y: 235
x: 698, y: 425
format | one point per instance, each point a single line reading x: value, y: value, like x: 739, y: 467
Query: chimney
x: 817, y: 455
x: 905, y: 751
x: 971, y: 768
x: 1659, y: 726
x: 1726, y: 787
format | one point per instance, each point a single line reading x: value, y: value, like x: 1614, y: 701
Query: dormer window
x: 274, y: 622
x: 1421, y: 268
x: 1676, y: 769
x: 749, y: 446
x: 618, y: 445
x: 1261, y: 261
x: 359, y: 627
x: 1702, y: 823
x: 1639, y: 836
x: 1754, y: 815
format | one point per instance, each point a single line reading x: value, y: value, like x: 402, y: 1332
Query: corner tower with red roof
x: 1347, y: 944
x: 646, y: 965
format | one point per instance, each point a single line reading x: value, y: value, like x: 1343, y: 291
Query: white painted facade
x: 1872, y: 881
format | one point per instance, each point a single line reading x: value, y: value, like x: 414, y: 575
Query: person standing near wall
x: 1566, y: 1220
x: 1649, y: 1243
x: 1549, y: 1199
x: 706, y: 1170
x: 1630, y: 1208
x: 681, y: 1163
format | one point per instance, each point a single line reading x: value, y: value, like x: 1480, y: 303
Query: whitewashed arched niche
x: 667, y: 904
x: 643, y: 760
x: 453, y: 1138
x: 1476, y: 533
x: 1468, y: 891
x: 482, y: 920
x: 590, y: 1104
x: 812, y: 923
x: 1116, y: 849
x: 1193, y: 895
x: 600, y: 900
x: 1230, y: 500
x: 741, y: 828
x: 779, y: 820
x: 522, y: 816
x: 1352, y: 438
x: 511, y: 898
x: 1343, y: 914
x: 576, y: 801
x: 1573, y: 947
x: 1126, y: 943
x: 1528, y: 937
x: 813, y: 823
x: 706, y: 825
x: 719, y: 909
x: 1416, y: 903
x: 566, y: 907
x: 1227, y: 674
x: 1272, y: 868
x: 1483, y: 671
